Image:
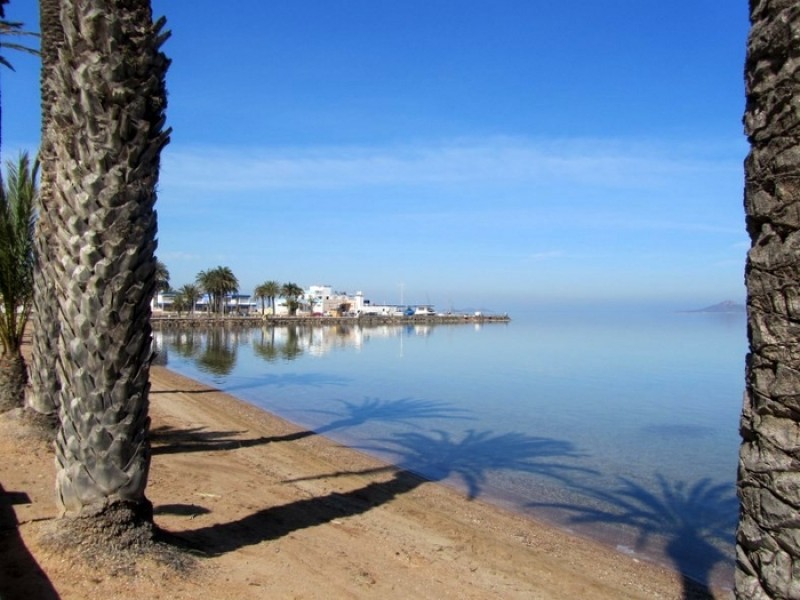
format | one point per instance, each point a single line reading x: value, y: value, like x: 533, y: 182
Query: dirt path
x: 280, y: 513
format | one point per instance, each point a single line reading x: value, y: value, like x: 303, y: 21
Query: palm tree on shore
x: 218, y: 283
x: 292, y: 292
x: 767, y: 545
x: 272, y: 289
x: 17, y: 202
x: 267, y: 291
x: 105, y: 160
x: 191, y: 293
x: 260, y: 293
x: 45, y: 323
x: 179, y: 303
x: 162, y: 277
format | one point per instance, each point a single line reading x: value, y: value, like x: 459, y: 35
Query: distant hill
x: 728, y: 306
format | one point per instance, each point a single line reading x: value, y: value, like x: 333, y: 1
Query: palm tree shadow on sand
x: 439, y: 456
x: 20, y: 574
x: 283, y: 380
x: 168, y: 440
x: 696, y: 521
x: 408, y: 411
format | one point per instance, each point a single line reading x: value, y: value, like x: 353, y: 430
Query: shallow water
x: 622, y: 427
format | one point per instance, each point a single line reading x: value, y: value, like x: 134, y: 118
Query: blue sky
x: 469, y: 153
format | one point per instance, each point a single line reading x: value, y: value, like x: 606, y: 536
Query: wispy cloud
x: 459, y: 162
x: 545, y: 255
x: 179, y: 256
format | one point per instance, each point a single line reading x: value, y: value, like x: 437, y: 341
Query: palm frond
x: 17, y: 218
x: 19, y: 48
x: 14, y: 28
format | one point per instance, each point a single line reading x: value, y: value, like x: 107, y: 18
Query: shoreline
x: 279, y: 510
x: 167, y: 320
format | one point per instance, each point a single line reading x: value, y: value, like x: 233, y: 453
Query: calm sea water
x: 622, y: 427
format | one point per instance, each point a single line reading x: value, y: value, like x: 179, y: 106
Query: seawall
x: 169, y: 320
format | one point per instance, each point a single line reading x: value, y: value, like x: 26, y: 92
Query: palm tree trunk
x: 44, y: 381
x: 767, y: 541
x: 108, y: 114
x: 13, y: 377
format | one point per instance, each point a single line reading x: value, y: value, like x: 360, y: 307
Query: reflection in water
x: 218, y: 355
x: 270, y: 342
x: 286, y: 345
x: 589, y: 379
x: 186, y: 343
x: 213, y: 349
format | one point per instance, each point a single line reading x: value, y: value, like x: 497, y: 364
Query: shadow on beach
x: 468, y: 461
x: 21, y: 578
x: 407, y: 411
x: 203, y: 391
x: 168, y: 440
x: 437, y: 456
x: 281, y: 380
x: 697, y: 523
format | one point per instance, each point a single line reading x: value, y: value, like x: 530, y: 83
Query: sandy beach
x: 277, y: 512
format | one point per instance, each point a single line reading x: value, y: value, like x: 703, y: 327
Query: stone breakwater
x: 166, y: 321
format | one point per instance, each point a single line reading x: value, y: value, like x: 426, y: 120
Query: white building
x: 235, y: 304
x: 323, y: 300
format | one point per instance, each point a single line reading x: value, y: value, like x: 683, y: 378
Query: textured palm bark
x: 13, y: 378
x: 44, y: 382
x: 108, y: 116
x: 768, y: 538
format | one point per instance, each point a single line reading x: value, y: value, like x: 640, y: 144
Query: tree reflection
x: 264, y: 344
x: 218, y: 355
x: 291, y: 347
x: 186, y: 343
x: 270, y: 348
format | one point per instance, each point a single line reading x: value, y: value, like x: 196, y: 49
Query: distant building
x: 241, y: 304
x: 383, y: 310
x: 238, y: 304
x: 323, y: 300
x: 162, y: 301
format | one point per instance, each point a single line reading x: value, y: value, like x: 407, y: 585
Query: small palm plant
x: 17, y: 199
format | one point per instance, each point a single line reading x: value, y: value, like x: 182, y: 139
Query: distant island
x: 728, y: 306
